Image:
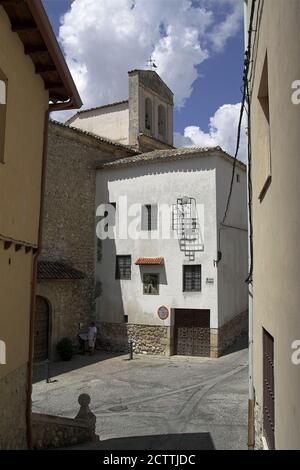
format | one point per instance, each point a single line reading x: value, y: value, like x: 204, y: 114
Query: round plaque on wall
x: 163, y: 312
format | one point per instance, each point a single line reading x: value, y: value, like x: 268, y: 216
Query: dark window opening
x: 192, y: 278
x: 151, y: 284
x: 125, y: 318
x: 123, y: 267
x: 149, y: 217
x: 162, y: 121
x: 148, y: 114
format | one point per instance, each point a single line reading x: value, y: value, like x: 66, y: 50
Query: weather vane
x: 151, y: 63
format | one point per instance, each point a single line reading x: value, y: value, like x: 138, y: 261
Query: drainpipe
x: 251, y: 435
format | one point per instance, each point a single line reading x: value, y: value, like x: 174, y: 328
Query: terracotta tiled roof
x: 150, y: 261
x: 48, y: 270
x: 160, y: 156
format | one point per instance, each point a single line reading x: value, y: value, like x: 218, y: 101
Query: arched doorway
x: 41, y: 329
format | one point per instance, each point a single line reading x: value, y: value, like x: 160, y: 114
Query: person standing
x: 92, y: 335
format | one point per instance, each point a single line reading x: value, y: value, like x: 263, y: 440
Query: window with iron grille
x: 192, y: 278
x: 123, y: 267
x: 149, y: 217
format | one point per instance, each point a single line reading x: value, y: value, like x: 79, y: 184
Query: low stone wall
x: 52, y: 432
x: 258, y: 427
x: 13, y: 395
x: 223, y: 337
x: 146, y: 339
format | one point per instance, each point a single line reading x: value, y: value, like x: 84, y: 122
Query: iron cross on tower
x: 151, y: 63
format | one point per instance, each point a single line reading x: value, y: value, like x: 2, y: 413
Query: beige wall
x: 111, y: 122
x: 20, y: 174
x: 20, y: 185
x: 276, y: 221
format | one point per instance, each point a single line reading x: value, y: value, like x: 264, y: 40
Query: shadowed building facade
x: 34, y: 79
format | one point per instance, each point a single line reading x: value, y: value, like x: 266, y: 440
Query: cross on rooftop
x: 151, y: 63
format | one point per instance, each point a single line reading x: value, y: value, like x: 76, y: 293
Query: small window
x: 123, y: 267
x: 151, y: 284
x: 192, y: 278
x: 161, y: 121
x: 149, y: 217
x: 3, y: 101
x: 148, y: 114
x: 125, y: 318
x: 237, y: 178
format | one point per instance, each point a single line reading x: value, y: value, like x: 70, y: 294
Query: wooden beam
x: 10, y: 2
x: 23, y: 27
x: 44, y: 68
x: 7, y: 245
x: 29, y: 50
x: 54, y: 86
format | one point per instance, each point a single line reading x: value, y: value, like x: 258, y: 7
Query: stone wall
x: 13, y: 395
x: 69, y: 223
x: 258, y: 426
x: 146, y: 339
x: 68, y: 308
x: 222, y: 338
x: 50, y: 432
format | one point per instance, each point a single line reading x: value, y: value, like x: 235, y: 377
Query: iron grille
x: 192, y: 278
x: 123, y: 267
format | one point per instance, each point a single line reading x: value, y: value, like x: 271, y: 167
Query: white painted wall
x: 111, y: 122
x: 233, y: 267
x: 159, y: 184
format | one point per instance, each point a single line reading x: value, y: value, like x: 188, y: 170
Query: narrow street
x: 154, y: 402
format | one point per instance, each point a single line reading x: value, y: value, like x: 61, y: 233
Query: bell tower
x: 150, y: 111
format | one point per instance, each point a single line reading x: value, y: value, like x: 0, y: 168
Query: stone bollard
x: 85, y: 413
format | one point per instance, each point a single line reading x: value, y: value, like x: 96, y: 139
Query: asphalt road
x: 152, y: 402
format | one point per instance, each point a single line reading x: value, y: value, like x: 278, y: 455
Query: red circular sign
x: 163, y: 312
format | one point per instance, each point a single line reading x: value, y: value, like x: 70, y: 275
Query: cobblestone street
x: 154, y: 402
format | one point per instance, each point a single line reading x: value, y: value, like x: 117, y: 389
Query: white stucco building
x: 171, y: 250
x: 167, y: 247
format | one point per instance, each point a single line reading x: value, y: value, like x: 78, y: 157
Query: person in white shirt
x: 92, y: 334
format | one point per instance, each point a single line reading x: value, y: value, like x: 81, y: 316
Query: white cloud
x: 222, y: 131
x: 104, y: 39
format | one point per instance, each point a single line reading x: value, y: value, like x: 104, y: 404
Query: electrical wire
x: 245, y: 106
x: 244, y: 88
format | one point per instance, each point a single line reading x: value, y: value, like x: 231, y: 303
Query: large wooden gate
x: 192, y: 332
x: 268, y: 386
x: 41, y: 329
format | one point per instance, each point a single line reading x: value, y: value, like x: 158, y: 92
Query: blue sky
x: 219, y: 78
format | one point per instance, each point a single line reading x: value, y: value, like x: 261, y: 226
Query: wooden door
x: 192, y: 332
x: 41, y: 329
